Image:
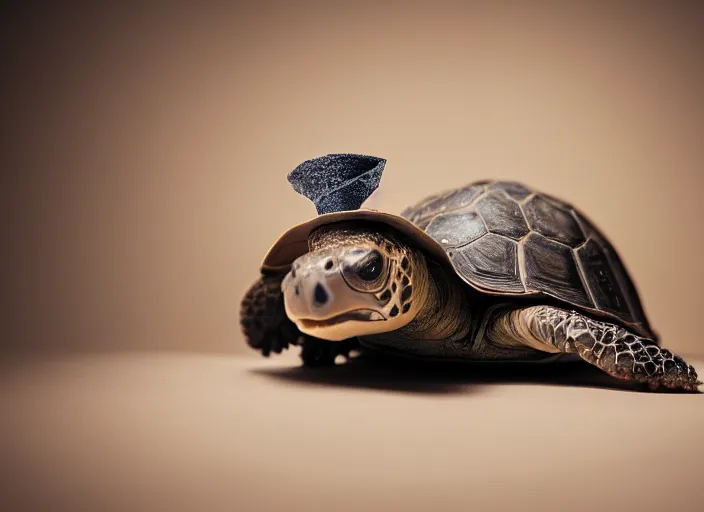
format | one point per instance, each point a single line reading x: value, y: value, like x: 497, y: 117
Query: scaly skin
x: 613, y: 349
x: 267, y: 328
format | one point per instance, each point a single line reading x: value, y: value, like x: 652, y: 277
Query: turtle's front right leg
x: 617, y: 351
x: 267, y: 328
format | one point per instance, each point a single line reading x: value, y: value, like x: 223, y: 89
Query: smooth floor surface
x: 204, y: 432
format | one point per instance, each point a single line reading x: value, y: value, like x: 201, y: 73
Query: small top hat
x: 337, y: 182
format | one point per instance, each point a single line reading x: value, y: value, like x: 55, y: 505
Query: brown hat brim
x: 294, y: 242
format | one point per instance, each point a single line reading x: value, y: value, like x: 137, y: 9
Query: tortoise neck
x: 444, y: 312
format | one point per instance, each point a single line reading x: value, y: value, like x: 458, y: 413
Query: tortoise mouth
x: 359, y: 315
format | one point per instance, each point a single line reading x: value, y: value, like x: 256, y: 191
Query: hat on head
x: 337, y: 182
x: 338, y: 185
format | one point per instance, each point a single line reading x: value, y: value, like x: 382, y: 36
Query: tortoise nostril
x: 320, y: 296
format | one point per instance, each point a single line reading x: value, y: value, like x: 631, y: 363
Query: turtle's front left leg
x: 267, y: 328
x: 615, y: 350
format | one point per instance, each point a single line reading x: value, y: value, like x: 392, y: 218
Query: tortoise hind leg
x: 267, y: 328
x: 615, y: 350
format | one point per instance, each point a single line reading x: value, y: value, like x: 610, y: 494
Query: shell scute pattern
x: 448, y: 201
x: 502, y: 215
x: 492, y: 261
x: 512, y: 189
x: 506, y: 238
x: 455, y: 229
x: 552, y: 221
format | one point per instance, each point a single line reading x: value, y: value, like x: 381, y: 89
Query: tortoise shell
x: 504, y: 238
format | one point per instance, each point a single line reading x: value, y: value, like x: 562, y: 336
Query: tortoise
x: 490, y: 271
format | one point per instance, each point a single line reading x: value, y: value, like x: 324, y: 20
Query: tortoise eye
x: 370, y: 270
x: 364, y: 270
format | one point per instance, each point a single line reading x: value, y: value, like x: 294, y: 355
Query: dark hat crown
x: 337, y: 182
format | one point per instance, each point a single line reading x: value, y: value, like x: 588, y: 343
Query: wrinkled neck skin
x: 444, y: 314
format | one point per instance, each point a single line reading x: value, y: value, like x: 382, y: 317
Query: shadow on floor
x: 376, y: 372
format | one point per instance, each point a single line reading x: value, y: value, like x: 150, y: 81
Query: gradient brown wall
x: 147, y: 148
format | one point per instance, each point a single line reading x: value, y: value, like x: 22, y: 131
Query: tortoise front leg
x: 614, y: 349
x: 267, y: 328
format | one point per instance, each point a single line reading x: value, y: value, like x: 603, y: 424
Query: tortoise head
x: 357, y: 279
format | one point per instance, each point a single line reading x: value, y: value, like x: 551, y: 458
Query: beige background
x: 148, y: 147
x: 143, y: 179
x: 193, y: 432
